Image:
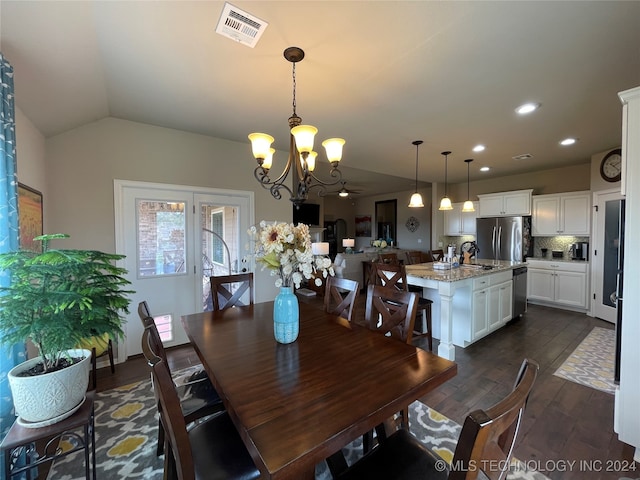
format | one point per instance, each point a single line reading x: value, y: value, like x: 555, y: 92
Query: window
x: 161, y: 238
x: 217, y: 225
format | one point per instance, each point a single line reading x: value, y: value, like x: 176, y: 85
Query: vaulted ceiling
x: 379, y: 74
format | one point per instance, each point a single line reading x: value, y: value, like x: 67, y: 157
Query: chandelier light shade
x: 416, y: 198
x: 445, y: 203
x: 302, y: 158
x: 468, y: 204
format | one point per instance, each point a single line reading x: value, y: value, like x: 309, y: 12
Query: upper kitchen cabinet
x: 561, y: 214
x: 457, y: 222
x: 505, y: 204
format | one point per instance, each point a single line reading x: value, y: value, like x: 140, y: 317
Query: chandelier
x: 302, y: 158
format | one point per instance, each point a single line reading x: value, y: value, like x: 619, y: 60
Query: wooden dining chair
x: 414, y: 257
x: 426, y: 257
x: 395, y: 276
x: 485, y: 444
x: 391, y: 312
x: 227, y: 290
x: 198, y: 397
x: 211, y: 449
x: 340, y: 296
x: 437, y: 254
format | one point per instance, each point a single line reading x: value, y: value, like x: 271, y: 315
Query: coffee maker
x: 579, y: 251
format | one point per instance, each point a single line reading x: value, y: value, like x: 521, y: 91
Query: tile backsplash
x: 554, y: 243
x: 550, y: 243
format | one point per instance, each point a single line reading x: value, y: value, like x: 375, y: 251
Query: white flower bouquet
x: 379, y: 244
x: 285, y: 249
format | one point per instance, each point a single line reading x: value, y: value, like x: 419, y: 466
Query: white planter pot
x: 45, y: 399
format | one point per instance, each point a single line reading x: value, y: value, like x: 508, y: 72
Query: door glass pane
x: 221, y: 253
x: 611, y: 244
x: 161, y: 238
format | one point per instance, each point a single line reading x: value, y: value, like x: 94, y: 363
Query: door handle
x: 614, y: 298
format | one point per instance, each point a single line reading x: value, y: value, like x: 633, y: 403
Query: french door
x: 604, y: 261
x: 175, y: 237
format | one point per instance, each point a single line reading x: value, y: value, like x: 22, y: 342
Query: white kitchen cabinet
x: 505, y: 203
x: 492, y: 303
x: 562, y: 284
x: 457, y: 222
x: 561, y: 214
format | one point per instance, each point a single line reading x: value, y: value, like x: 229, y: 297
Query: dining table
x: 296, y: 404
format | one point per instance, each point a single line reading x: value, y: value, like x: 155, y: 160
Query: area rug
x: 126, y: 429
x: 592, y: 362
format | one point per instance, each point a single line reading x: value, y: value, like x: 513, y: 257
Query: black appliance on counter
x: 579, y: 251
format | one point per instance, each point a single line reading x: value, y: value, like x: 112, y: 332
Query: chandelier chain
x: 293, y: 76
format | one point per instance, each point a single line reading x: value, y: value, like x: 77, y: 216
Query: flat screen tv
x: 308, y: 213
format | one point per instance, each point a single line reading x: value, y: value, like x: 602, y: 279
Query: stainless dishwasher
x: 519, y: 291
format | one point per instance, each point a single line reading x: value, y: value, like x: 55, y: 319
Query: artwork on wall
x: 30, y: 217
x: 363, y: 225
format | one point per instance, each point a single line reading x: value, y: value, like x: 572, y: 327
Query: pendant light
x: 468, y: 205
x: 416, y: 198
x: 445, y: 203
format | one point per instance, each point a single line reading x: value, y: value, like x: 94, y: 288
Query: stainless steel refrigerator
x: 504, y: 238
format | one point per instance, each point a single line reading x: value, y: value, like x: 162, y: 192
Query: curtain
x: 9, y: 355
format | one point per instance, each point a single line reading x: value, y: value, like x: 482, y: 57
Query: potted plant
x: 57, y: 298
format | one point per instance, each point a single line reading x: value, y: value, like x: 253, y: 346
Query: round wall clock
x: 412, y: 224
x: 611, y: 166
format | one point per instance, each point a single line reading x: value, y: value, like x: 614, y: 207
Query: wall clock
x: 611, y: 166
x: 412, y: 224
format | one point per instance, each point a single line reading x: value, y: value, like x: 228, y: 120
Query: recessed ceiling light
x: 479, y: 148
x: 527, y: 108
x: 568, y: 141
x: 484, y: 169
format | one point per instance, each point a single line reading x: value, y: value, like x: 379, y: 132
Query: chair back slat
x: 488, y: 436
x: 391, y: 276
x: 335, y: 300
x: 391, y: 312
x: 227, y: 290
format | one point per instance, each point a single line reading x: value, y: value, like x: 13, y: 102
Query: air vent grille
x: 240, y: 26
x: 524, y: 156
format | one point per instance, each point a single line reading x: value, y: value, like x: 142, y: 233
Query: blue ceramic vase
x: 286, y: 316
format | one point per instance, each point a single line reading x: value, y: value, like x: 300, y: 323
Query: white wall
x: 30, y: 154
x: 82, y: 164
x: 418, y: 240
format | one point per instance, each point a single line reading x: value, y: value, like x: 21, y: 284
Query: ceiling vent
x: 524, y: 156
x: 240, y: 26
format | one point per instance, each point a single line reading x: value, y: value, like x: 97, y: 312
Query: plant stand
x: 19, y: 439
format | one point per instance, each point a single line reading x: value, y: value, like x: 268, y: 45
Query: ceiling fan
x: 344, y: 192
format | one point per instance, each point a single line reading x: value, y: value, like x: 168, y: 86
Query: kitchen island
x: 471, y: 301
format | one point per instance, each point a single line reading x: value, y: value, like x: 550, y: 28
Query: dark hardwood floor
x: 564, y: 422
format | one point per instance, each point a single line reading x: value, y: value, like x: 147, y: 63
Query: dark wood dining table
x: 295, y: 405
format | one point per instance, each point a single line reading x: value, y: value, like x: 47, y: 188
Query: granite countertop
x: 463, y: 272
x: 550, y: 259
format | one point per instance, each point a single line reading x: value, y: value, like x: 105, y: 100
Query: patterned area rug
x: 592, y: 362
x: 126, y: 433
